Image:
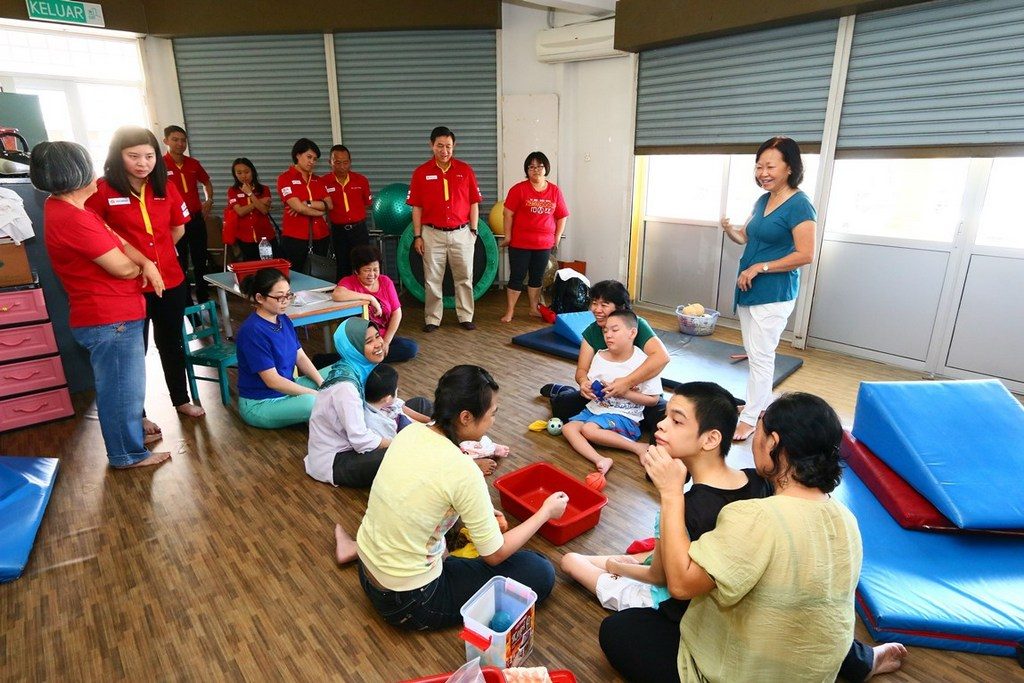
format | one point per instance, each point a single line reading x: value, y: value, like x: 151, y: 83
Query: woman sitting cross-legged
x: 269, y: 396
x: 344, y: 450
x: 424, y: 484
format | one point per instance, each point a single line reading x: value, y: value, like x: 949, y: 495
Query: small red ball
x: 596, y: 481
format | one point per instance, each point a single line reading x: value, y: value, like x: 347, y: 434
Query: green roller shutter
x: 936, y: 75
x: 732, y: 93
x: 253, y: 96
x: 394, y: 87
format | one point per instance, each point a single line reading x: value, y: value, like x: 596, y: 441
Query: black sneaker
x: 548, y: 389
x: 468, y: 325
x: 429, y: 327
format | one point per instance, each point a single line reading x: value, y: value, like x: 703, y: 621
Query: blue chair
x: 218, y: 354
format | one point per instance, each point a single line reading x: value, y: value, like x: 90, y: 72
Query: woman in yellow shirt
x: 772, y: 586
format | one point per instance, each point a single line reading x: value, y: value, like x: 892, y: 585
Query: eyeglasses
x: 282, y: 297
x: 534, y: 167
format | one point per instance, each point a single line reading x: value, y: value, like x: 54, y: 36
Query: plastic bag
x: 571, y: 292
x: 468, y: 673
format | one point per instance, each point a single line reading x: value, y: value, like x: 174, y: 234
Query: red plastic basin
x: 494, y: 675
x: 524, y: 490
x: 243, y: 269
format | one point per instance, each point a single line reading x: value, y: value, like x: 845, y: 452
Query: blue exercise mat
x: 690, y: 358
x: 25, y: 486
x: 947, y: 591
x: 570, y: 326
x: 957, y: 443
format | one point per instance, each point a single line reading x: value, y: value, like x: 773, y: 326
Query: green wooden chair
x: 202, y: 320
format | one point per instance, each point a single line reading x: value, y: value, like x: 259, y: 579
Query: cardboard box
x: 14, y: 268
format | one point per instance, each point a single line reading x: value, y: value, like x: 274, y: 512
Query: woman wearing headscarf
x: 342, y: 449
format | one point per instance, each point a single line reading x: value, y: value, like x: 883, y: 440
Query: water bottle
x: 265, y: 251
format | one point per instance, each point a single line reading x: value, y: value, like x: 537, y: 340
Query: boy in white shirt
x: 613, y: 421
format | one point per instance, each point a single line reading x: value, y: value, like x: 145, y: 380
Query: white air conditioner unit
x: 578, y: 42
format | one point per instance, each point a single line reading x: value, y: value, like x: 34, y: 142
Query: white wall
x: 595, y: 164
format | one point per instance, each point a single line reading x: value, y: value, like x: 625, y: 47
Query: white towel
x: 14, y: 222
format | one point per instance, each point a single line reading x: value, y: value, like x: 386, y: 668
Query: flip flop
x: 737, y: 357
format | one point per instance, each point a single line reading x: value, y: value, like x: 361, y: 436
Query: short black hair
x: 463, y: 387
x: 382, y: 381
x: 714, y: 409
x: 256, y: 184
x: 364, y: 255
x: 60, y: 167
x: 340, y: 148
x: 303, y: 145
x: 612, y: 291
x: 441, y: 132
x: 261, y: 282
x: 174, y: 129
x: 114, y: 170
x: 809, y: 434
x: 790, y: 152
x: 540, y: 158
x: 627, y: 316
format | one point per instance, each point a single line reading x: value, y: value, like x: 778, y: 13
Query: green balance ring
x: 415, y: 287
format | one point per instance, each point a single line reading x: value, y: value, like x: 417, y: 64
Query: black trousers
x: 295, y: 250
x: 167, y: 313
x: 643, y: 645
x: 345, y: 237
x: 569, y: 402
x: 357, y: 470
x: 193, y: 247
x: 523, y: 261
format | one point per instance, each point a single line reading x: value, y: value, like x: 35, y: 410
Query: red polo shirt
x: 291, y: 184
x: 187, y: 178
x: 444, y: 196
x: 350, y: 200
x: 254, y: 226
x: 145, y: 222
x: 534, y: 215
x: 74, y: 240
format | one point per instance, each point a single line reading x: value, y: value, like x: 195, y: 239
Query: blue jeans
x: 437, y: 604
x: 402, y: 349
x: 118, y: 362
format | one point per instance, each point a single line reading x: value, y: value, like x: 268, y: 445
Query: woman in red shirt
x: 249, y: 200
x: 101, y: 274
x: 535, y: 214
x: 135, y: 199
x: 305, y: 205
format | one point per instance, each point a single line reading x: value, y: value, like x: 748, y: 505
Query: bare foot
x: 149, y: 428
x: 534, y: 313
x: 149, y: 439
x: 603, y: 465
x: 190, y: 409
x: 743, y: 432
x: 486, y: 465
x: 345, y: 549
x: 888, y: 658
x: 153, y: 459
x: 507, y: 318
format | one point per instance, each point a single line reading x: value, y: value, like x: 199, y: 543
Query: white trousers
x: 762, y: 326
x: 454, y: 248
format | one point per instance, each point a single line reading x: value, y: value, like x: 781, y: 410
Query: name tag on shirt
x: 119, y: 201
x: 431, y: 177
x: 170, y: 173
x: 330, y: 189
x: 285, y: 191
x: 296, y: 182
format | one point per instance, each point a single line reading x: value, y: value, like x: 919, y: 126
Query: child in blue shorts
x: 613, y: 421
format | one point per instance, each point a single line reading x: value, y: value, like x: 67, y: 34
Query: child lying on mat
x: 703, y: 416
x: 613, y: 421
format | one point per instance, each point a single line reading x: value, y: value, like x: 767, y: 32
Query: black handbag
x: 318, y: 266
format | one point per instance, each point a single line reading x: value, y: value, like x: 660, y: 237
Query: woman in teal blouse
x: 779, y: 238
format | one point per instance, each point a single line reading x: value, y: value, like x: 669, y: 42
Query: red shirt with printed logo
x: 74, y: 240
x: 145, y: 222
x: 292, y: 184
x: 254, y: 226
x: 350, y: 200
x: 187, y: 178
x: 534, y: 215
x: 444, y: 196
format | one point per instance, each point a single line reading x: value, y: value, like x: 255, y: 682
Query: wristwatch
x: 417, y: 237
x: 764, y: 267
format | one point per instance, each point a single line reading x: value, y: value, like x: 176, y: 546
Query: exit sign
x: 66, y: 12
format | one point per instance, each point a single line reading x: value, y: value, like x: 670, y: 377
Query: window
x: 1000, y: 224
x: 917, y: 199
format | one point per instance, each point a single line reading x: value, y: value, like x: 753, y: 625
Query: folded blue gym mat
x: 25, y: 486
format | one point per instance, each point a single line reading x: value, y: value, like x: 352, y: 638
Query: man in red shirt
x: 445, y: 201
x: 187, y: 174
x: 350, y: 195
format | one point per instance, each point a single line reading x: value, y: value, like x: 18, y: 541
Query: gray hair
x: 60, y: 167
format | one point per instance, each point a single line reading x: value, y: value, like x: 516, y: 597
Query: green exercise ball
x: 390, y: 212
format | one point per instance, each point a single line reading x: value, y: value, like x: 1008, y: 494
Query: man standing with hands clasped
x: 445, y: 201
x: 187, y: 174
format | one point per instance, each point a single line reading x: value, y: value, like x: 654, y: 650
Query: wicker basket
x: 697, y: 325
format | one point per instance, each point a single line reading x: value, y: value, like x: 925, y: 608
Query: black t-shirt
x: 703, y: 503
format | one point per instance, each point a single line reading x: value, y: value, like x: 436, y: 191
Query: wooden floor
x: 219, y: 564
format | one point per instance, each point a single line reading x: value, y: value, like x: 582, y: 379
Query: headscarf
x: 349, y: 340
